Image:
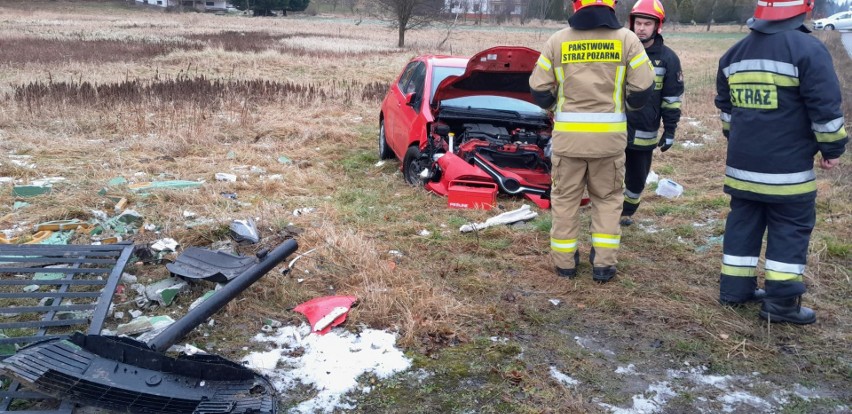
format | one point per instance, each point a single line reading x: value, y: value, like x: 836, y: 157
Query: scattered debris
x: 380, y: 163
x: 211, y: 265
x: 326, y: 312
x: 165, y: 291
x: 143, y: 323
x: 226, y: 177
x: 165, y: 245
x: 244, y: 231
x: 146, y: 187
x: 27, y: 191
x: 305, y: 210
x: 188, y: 384
x: 284, y: 160
x: 669, y: 189
x: 555, y: 302
x: 652, y: 178
x: 424, y: 233
x: 521, y: 214
x: 691, y: 144
x: 711, y: 241
x: 62, y: 225
x: 295, y: 259
x: 201, y: 299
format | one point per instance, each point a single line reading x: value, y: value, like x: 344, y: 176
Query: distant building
x: 473, y: 8
x: 202, y: 5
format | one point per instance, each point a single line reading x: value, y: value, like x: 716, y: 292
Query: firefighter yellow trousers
x: 604, y: 179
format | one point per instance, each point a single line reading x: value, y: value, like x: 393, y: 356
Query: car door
x: 845, y: 21
x: 410, y: 122
x: 393, y: 110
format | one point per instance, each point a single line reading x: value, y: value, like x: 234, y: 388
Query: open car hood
x: 501, y: 71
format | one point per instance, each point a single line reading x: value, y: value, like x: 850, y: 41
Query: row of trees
x: 406, y: 15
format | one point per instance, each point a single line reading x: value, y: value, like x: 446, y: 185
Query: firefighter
x: 646, y: 20
x: 780, y: 104
x: 592, y: 71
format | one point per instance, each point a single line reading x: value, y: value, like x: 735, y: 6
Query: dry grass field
x: 90, y: 91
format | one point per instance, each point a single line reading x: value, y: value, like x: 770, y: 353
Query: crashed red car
x: 451, y: 119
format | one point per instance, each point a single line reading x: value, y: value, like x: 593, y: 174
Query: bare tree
x: 407, y: 15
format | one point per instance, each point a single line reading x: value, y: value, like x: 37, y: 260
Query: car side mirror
x: 410, y: 99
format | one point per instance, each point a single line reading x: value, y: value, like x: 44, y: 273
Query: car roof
x: 447, y: 61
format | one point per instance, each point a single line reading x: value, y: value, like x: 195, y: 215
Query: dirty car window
x: 493, y: 102
x: 439, y: 73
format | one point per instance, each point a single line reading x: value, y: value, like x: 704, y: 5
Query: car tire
x: 412, y: 166
x: 385, y: 152
x: 829, y: 27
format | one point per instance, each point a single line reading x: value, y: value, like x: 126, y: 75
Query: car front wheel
x: 412, y: 165
x: 829, y: 27
x: 384, y: 150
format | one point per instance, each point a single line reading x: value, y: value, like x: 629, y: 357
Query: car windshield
x: 499, y: 103
x: 439, y: 73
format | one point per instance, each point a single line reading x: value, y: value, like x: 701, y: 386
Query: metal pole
x: 195, y: 317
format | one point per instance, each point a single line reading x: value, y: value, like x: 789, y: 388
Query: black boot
x: 757, y: 296
x: 626, y: 221
x: 787, y: 310
x: 570, y: 273
x: 603, y: 274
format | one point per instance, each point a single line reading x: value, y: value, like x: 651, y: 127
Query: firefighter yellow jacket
x: 591, y: 73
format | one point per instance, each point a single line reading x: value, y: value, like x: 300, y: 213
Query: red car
x: 453, y: 119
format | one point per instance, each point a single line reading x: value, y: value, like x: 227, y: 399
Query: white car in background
x: 839, y: 21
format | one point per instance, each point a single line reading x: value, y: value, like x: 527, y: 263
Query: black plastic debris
x: 126, y: 375
x: 56, y: 289
x: 211, y: 265
x: 244, y: 231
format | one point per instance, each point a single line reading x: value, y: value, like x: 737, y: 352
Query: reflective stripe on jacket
x: 590, y: 72
x: 780, y: 104
x: 643, y: 126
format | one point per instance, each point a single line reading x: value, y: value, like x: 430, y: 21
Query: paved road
x: 846, y: 37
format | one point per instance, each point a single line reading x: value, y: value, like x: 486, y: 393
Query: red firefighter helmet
x: 650, y: 9
x: 781, y: 10
x: 582, y: 4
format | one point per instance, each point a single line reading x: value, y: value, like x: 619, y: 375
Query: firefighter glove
x: 666, y: 141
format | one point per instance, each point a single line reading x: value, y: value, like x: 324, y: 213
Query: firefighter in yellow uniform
x: 593, y: 71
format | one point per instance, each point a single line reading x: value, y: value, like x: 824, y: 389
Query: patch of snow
x: 630, y: 369
x: 329, y: 363
x: 647, y: 228
x: 380, y: 163
x: 650, y: 401
x: 691, y: 144
x: 736, y: 399
x: 562, y: 378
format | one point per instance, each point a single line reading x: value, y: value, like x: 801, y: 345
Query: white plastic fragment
x: 522, y: 214
x: 669, y: 189
x: 226, y: 177
x: 167, y: 244
x: 652, y: 178
x: 328, y: 319
x: 305, y: 210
